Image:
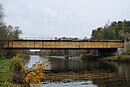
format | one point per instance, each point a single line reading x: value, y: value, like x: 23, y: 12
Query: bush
x: 17, y: 65
x: 21, y: 55
x: 21, y: 74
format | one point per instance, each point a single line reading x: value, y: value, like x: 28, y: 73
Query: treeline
x: 117, y: 30
x: 7, y: 32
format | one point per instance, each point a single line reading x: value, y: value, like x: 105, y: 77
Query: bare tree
x: 1, y: 14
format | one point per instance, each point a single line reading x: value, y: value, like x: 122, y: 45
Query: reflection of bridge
x: 62, y: 44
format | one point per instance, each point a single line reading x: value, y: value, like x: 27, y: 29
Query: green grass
x: 4, y: 71
x: 5, y: 74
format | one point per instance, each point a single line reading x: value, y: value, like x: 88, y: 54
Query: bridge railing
x: 50, y: 38
x: 38, y: 38
x: 56, y: 38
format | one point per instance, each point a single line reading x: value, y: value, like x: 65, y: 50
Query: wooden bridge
x: 62, y: 44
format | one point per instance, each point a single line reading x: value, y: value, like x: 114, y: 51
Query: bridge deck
x: 61, y: 44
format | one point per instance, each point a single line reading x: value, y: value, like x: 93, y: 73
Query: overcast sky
x: 70, y: 18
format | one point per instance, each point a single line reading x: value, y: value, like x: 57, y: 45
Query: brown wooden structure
x: 62, y: 44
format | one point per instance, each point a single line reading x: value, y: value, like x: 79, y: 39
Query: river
x: 61, y: 64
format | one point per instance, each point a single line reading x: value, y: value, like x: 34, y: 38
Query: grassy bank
x: 5, y: 74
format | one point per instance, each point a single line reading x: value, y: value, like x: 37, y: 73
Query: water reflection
x: 76, y: 65
x: 61, y: 64
x: 123, y: 69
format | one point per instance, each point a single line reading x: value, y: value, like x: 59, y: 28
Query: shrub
x: 21, y: 74
x: 17, y: 73
x: 35, y: 74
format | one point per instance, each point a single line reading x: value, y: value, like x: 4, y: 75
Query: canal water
x: 60, y: 64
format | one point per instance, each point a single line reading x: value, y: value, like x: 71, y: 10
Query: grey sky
x: 70, y: 18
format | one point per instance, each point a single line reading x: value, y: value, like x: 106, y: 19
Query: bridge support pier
x: 106, y: 52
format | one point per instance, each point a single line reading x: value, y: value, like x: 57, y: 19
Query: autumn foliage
x: 21, y: 74
x: 35, y: 74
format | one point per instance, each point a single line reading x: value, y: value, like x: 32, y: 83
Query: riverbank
x: 5, y: 74
x: 116, y: 58
x: 6, y: 71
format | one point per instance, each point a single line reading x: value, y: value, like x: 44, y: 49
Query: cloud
x: 74, y: 18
